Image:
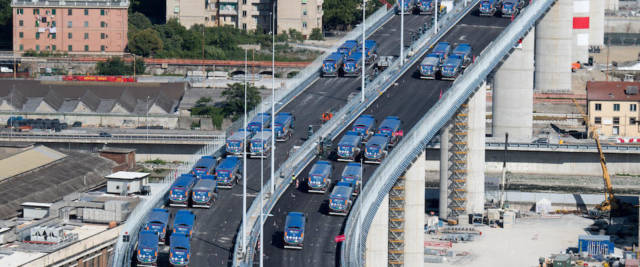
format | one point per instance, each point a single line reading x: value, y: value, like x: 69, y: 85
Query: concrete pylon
x: 581, y: 27
x: 553, y: 48
x: 513, y: 93
x: 414, y: 212
x: 377, y: 238
x: 596, y: 23
x: 476, y: 147
x: 443, y: 204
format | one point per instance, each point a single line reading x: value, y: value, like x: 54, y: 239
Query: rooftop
x: 71, y: 3
x: 613, y: 91
x: 28, y: 160
x: 117, y: 150
x: 127, y: 175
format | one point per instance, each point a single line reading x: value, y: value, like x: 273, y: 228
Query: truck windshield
x: 178, y: 191
x: 182, y: 228
x: 156, y: 226
x: 329, y: 64
x: 293, y: 231
x: 361, y: 129
x: 256, y: 145
x: 485, y: 5
x: 386, y: 131
x: 223, y: 173
x: 507, y: 6
x: 234, y: 144
x: 373, y: 150
x: 337, y: 201
x: 316, y: 178
x: 201, y: 193
x: 200, y: 169
x: 448, y: 68
x: 179, y: 252
x: 345, y: 148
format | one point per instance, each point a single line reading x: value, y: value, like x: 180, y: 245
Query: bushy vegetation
x: 116, y: 66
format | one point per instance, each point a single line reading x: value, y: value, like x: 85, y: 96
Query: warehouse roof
x: 613, y: 91
x: 28, y: 160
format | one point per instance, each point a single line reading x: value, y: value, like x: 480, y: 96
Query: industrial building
x: 302, y: 16
x: 125, y: 183
x: 93, y: 104
x: 75, y: 27
x: 613, y: 108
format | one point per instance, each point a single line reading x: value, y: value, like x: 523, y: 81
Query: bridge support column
x: 513, y: 93
x: 553, y: 48
x: 596, y: 23
x: 414, y: 212
x: 476, y: 146
x: 378, y: 237
x: 443, y: 208
x: 581, y: 30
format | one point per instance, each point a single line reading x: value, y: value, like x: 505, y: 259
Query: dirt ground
x: 617, y: 53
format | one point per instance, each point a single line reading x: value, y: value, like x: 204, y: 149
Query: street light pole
x: 244, y: 161
x: 435, y: 11
x: 401, y: 3
x: 262, y: 183
x: 273, y: 96
x: 364, y: 5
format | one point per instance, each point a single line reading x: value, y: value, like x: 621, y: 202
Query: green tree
x: 316, y: 34
x: 296, y: 35
x: 138, y: 21
x: 234, y: 103
x: 145, y: 43
x: 338, y: 14
x: 116, y: 66
x: 6, y: 31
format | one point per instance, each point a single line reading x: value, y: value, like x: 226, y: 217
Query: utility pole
x: 364, y: 52
x: 273, y: 97
x: 435, y: 11
x: 244, y: 161
x: 401, y: 3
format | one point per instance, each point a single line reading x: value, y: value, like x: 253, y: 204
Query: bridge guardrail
x: 362, y: 213
x: 214, y: 138
x: 304, y: 155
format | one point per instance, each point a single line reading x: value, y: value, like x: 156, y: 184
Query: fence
x: 414, y: 142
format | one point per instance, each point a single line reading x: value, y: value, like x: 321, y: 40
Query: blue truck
x: 465, y: 52
x: 352, y: 174
x: 157, y: 222
x: 340, y: 199
x: 425, y: 7
x: 283, y: 124
x: 349, y: 146
x: 180, y: 250
x: 391, y: 128
x: 331, y: 65
x: 147, y: 248
x: 371, y: 50
x: 488, y: 7
x: 364, y: 126
x: 205, y: 192
x: 348, y: 48
x: 429, y: 67
x: 442, y: 51
x: 452, y: 67
x: 319, y: 177
x: 260, y: 121
x: 235, y: 143
x: 229, y: 172
x: 181, y: 190
x: 408, y: 6
x: 353, y: 65
x: 376, y: 149
x: 260, y: 146
x: 183, y: 223
x: 204, y: 166
x: 294, y: 230
x: 511, y: 8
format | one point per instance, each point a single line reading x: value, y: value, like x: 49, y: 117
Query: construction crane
x: 610, y: 199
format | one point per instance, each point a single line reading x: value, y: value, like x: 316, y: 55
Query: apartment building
x: 301, y: 15
x: 76, y: 27
x: 613, y: 108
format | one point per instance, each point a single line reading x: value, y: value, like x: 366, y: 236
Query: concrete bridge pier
x: 596, y: 23
x: 581, y: 31
x: 553, y: 48
x: 476, y: 150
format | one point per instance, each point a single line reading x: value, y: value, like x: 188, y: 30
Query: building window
x: 53, y: 35
x: 616, y: 107
x: 633, y: 107
x: 616, y: 130
x: 244, y: 13
x: 597, y: 120
x: 21, y: 34
x: 616, y: 120
x: 69, y: 24
x: 86, y: 36
x: 102, y: 48
x: 53, y: 24
x: 21, y: 23
x: 244, y: 2
x: 86, y: 24
x: 304, y: 24
x: 304, y: 2
x: 244, y: 26
x: 53, y: 47
x: 304, y: 12
x: 103, y: 24
x: 37, y: 36
x: 53, y: 11
x: 86, y: 48
x: 70, y: 48
x: 101, y: 12
x: 632, y: 120
x: 598, y: 106
x: 37, y: 47
x: 86, y: 12
x: 102, y: 35
x: 213, y: 18
x: 36, y: 11
x: 19, y: 11
x: 70, y: 35
x: 21, y: 47
x: 69, y: 13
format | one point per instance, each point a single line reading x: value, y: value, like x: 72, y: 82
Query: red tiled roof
x: 611, y: 91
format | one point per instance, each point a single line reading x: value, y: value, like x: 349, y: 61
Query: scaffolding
x: 396, y: 223
x: 458, y: 160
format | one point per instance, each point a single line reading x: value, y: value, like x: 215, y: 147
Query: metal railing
x: 415, y: 141
x: 305, y: 154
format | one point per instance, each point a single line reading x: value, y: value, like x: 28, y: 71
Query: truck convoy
x: 390, y: 127
x: 294, y: 230
x: 429, y: 67
x: 181, y: 190
x: 442, y: 51
x: 180, y: 250
x: 204, y: 192
x: 348, y: 48
x: 147, y: 248
x: 464, y: 51
x: 452, y: 67
x: 157, y: 222
x: 340, y: 199
x: 260, y: 146
x: 488, y: 7
x: 204, y: 166
x: 319, y: 177
x: 183, y: 223
x: 283, y: 124
x: 260, y: 121
x: 349, y: 146
x: 425, y: 7
x: 364, y: 126
x: 352, y: 66
x: 511, y: 8
x: 331, y: 65
x: 229, y: 172
x: 376, y: 149
x: 352, y: 174
x: 235, y: 143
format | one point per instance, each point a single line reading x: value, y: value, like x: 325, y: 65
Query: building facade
x: 301, y: 15
x: 613, y: 108
x: 75, y: 27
